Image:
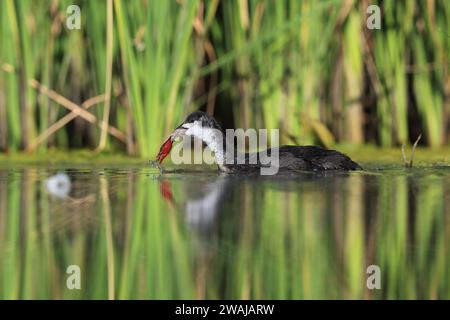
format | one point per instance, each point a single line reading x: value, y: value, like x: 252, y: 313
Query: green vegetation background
x: 136, y: 68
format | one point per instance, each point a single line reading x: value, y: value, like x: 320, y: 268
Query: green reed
x: 310, y: 68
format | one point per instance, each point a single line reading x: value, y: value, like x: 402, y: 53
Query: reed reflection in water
x: 140, y: 235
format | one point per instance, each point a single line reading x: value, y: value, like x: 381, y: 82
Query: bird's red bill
x: 164, y: 150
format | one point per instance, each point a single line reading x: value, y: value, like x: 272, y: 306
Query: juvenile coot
x: 297, y: 158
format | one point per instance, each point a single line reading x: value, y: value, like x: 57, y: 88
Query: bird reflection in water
x: 201, y: 210
x: 203, y: 204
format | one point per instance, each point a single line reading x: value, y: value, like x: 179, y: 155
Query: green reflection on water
x: 138, y: 234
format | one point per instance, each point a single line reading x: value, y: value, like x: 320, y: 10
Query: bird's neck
x: 216, y: 141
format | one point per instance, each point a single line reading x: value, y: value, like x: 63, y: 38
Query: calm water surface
x: 135, y: 233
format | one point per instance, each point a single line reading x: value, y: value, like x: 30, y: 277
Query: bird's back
x: 314, y: 158
x: 296, y: 158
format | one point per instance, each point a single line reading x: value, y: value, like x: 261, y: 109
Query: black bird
x: 293, y: 158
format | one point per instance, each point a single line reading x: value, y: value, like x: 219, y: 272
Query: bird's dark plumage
x: 297, y: 158
x: 206, y: 120
x: 300, y: 158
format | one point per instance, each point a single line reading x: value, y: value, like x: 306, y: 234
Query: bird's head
x: 195, y: 123
x: 198, y: 124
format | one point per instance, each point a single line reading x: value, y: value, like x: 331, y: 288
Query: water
x: 136, y: 233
